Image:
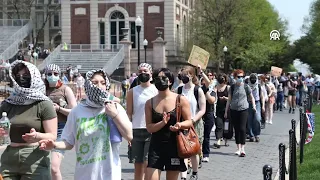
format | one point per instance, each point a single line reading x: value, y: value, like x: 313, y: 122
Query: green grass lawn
x: 310, y: 168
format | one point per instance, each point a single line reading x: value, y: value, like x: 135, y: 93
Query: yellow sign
x: 199, y: 56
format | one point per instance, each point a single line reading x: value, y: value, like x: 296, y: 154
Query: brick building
x: 100, y: 22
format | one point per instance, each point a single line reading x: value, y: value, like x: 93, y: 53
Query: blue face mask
x: 53, y: 80
x: 240, y: 80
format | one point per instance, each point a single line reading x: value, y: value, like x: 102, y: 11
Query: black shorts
x: 292, y: 93
x: 164, y: 156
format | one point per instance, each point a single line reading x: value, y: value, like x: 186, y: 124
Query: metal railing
x: 114, y: 63
x: 53, y: 55
x: 91, y: 48
x: 15, y: 39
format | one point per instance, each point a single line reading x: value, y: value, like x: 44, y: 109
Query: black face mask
x: 185, y: 79
x: 143, y: 77
x: 220, y: 80
x: 24, y: 81
x: 253, y: 81
x: 161, y: 83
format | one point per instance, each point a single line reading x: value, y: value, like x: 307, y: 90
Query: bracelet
x: 116, y: 115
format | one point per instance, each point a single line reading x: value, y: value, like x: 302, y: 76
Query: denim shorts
x: 60, y: 129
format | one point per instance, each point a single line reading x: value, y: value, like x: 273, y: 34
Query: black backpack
x: 195, y: 92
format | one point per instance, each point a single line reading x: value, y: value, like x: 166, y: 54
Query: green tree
x: 307, y: 48
x: 243, y: 26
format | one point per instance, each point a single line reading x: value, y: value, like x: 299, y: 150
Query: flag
x: 311, y: 126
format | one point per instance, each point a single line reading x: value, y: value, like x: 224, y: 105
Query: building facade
x: 100, y: 21
x: 49, y: 34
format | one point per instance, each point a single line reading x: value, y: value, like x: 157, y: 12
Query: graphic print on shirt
x: 93, y: 135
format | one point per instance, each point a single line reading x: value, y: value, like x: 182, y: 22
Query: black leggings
x: 239, y: 119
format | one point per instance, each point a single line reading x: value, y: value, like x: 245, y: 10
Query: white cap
x: 4, y: 114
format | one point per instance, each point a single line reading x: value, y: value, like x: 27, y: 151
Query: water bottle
x: 5, y: 124
x: 115, y: 136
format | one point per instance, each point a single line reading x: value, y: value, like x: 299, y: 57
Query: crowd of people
x: 238, y: 106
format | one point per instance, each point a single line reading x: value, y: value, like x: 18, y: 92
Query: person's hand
x: 176, y: 127
x: 226, y: 115
x: 166, y: 117
x: 2, y: 132
x: 129, y: 144
x: 254, y: 108
x: 111, y: 109
x: 263, y: 109
x: 56, y: 106
x: 47, y: 144
x: 30, y: 137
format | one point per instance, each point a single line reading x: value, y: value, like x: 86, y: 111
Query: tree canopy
x: 307, y: 48
x: 243, y: 26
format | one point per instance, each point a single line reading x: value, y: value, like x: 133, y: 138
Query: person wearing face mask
x: 271, y: 100
x: 63, y: 101
x: 161, y: 121
x: 136, y: 100
x: 222, y: 98
x: 32, y: 118
x: 196, y: 97
x: 238, y: 104
x: 254, y: 117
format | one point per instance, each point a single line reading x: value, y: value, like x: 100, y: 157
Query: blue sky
x: 294, y: 11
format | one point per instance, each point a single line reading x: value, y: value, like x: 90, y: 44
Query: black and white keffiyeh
x: 96, y: 97
x: 146, y: 65
x: 53, y: 68
x: 256, y: 84
x: 26, y: 96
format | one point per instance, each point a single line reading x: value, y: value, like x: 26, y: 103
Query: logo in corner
x: 274, y: 35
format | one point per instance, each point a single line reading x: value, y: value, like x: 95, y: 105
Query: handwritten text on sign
x: 199, y: 56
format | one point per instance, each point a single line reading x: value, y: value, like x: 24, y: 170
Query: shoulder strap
x: 196, y: 94
x: 180, y: 90
x: 178, y: 108
x: 247, y: 89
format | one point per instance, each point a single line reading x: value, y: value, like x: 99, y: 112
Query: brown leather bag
x: 187, y: 140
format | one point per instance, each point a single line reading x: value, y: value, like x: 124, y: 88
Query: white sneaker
x: 270, y: 122
x: 238, y: 152
x: 205, y: 159
x: 242, y: 154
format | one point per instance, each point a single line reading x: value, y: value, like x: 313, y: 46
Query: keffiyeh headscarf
x: 96, y: 97
x: 146, y: 65
x: 255, y: 85
x: 26, y: 96
x: 53, y: 68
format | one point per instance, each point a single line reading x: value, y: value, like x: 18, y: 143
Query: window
x: 40, y: 1
x: 133, y: 34
x: 102, y: 33
x: 56, y: 20
x: 55, y: 1
x: 116, y: 24
x: 40, y: 20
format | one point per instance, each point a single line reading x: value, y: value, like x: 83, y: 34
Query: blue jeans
x: 280, y: 97
x: 254, y: 120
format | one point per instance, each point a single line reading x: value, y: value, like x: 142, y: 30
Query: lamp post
x: 226, y: 65
x: 138, y: 26
x: 145, y: 45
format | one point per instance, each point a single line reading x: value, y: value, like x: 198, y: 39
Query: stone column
x: 127, y: 45
x: 66, y: 21
x: 94, y: 24
x: 159, y: 51
x: 46, y: 35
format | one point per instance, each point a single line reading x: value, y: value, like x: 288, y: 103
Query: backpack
x: 195, y: 92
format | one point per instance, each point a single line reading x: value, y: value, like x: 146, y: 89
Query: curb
x: 287, y: 153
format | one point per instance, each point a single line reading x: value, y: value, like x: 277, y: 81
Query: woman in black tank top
x: 162, y: 123
x: 222, y: 98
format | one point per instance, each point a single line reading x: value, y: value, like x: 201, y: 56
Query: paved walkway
x: 223, y: 165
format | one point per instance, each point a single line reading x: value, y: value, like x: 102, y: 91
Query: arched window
x: 116, y: 23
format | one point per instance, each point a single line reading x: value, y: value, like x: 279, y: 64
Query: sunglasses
x: 55, y: 74
x: 23, y: 76
x: 210, y: 75
x: 240, y: 77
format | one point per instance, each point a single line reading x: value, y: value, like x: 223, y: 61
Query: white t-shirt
x: 140, y: 97
x: 80, y: 81
x: 309, y: 81
x: 97, y: 158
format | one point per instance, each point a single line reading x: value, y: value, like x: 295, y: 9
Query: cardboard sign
x: 199, y: 56
x: 276, y: 71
